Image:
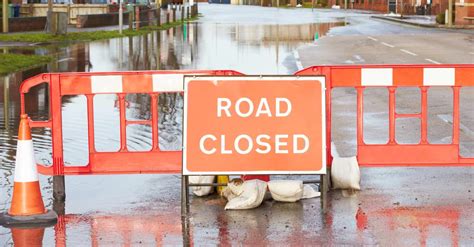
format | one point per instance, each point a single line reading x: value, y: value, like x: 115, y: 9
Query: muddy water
x: 247, y: 48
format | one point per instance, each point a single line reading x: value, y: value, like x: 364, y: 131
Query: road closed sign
x: 254, y: 125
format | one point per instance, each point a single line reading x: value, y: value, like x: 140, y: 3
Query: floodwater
x: 122, y: 203
x: 124, y: 210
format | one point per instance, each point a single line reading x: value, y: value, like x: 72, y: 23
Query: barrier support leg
x: 59, y: 188
x: 184, y: 196
x: 324, y: 187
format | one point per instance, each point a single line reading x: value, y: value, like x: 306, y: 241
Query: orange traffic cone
x: 27, y: 204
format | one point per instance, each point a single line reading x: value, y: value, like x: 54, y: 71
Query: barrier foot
x: 39, y: 220
x: 184, y: 196
x: 59, y: 188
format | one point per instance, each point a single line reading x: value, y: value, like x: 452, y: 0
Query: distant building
x: 408, y: 7
x: 463, y: 9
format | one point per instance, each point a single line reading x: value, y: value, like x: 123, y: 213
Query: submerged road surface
x: 396, y: 206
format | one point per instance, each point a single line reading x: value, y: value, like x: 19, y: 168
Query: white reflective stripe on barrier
x: 168, y: 83
x: 377, y: 77
x: 25, y: 165
x: 439, y: 76
x: 106, y: 84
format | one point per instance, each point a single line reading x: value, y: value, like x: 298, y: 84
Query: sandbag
x: 286, y: 190
x: 248, y: 194
x: 310, y: 192
x: 345, y: 173
x: 202, y: 190
x: 291, y: 190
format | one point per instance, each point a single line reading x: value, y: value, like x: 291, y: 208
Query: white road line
x: 389, y: 45
x: 432, y: 61
x: 472, y: 53
x: 359, y: 58
x: 299, y: 65
x: 334, y: 152
x: 372, y: 38
x: 296, y: 55
x: 448, y: 118
x: 408, y: 52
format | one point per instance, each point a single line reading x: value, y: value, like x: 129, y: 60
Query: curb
x: 405, y: 22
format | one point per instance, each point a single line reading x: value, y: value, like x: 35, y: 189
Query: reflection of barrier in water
x: 422, y: 219
x: 124, y: 230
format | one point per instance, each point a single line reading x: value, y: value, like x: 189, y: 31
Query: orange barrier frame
x: 120, y: 83
x: 393, y: 77
x: 159, y: 161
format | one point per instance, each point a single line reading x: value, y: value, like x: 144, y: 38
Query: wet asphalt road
x: 396, y: 207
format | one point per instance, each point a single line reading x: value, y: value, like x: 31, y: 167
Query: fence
x: 120, y: 83
x: 393, y: 77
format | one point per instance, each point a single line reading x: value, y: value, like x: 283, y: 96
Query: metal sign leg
x: 184, y: 196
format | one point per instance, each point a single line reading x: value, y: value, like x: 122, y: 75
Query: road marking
x: 448, y: 118
x: 334, y: 152
x: 299, y: 65
x: 359, y: 58
x: 389, y: 45
x: 372, y: 38
x: 472, y: 53
x: 296, y: 55
x: 408, y: 52
x: 432, y: 61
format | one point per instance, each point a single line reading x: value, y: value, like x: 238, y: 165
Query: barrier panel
x: 120, y: 83
x: 393, y: 77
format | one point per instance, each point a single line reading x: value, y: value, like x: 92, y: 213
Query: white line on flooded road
x: 372, y: 38
x: 359, y: 58
x: 334, y: 152
x: 296, y: 55
x: 432, y: 61
x: 387, y: 44
x: 299, y: 65
x: 448, y: 118
x: 408, y: 52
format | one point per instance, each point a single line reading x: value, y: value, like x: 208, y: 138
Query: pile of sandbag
x: 251, y: 193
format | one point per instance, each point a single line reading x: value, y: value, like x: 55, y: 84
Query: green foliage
x: 14, y: 62
x: 441, y: 18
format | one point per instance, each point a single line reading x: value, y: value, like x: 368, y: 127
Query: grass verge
x: 86, y: 36
x: 14, y: 62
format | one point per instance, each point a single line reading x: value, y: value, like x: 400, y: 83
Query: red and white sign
x: 254, y: 125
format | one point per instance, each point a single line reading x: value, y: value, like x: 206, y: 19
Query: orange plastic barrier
x: 121, y: 83
x: 393, y: 77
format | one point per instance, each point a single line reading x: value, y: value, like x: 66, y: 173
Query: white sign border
x: 320, y: 79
